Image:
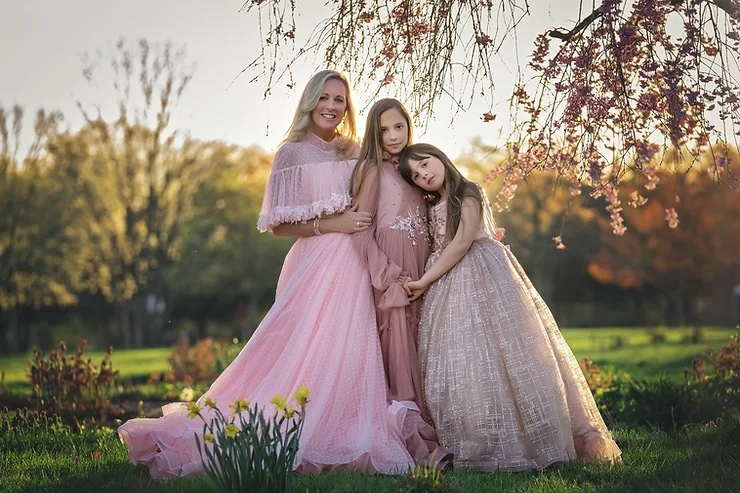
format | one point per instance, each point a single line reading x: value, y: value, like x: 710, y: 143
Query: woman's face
x: 395, y: 131
x: 329, y: 111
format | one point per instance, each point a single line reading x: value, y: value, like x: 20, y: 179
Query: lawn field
x: 618, y: 349
x: 41, y: 455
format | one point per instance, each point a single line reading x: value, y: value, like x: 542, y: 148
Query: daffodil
x: 231, y: 430
x: 279, y: 401
x: 210, y: 403
x: 239, y: 405
x: 289, y: 412
x: 207, y: 437
x: 193, y: 409
x: 301, y: 396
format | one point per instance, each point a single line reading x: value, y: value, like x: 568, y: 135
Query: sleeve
x: 384, y: 274
x: 298, y: 190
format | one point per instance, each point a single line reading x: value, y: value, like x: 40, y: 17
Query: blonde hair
x: 371, y: 153
x: 347, y: 129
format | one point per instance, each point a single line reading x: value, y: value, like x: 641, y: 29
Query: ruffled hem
x: 282, y: 215
x: 419, y: 436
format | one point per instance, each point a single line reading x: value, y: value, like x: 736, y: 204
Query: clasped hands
x: 414, y: 289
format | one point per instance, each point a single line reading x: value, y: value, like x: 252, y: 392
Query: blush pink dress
x: 503, y: 387
x: 320, y: 333
x: 398, y: 244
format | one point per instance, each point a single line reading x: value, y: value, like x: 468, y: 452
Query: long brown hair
x: 371, y: 152
x: 456, y: 185
x: 347, y: 130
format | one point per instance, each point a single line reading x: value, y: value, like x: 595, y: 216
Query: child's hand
x: 415, y: 289
x: 498, y: 233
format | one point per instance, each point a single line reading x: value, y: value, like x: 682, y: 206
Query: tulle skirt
x: 320, y: 333
x: 503, y: 387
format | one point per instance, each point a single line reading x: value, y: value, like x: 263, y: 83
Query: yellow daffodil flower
x: 207, y: 437
x: 301, y: 396
x: 193, y: 409
x: 239, y: 405
x: 279, y: 401
x: 210, y: 403
x: 231, y: 430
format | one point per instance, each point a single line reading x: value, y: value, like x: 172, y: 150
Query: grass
x: 41, y: 455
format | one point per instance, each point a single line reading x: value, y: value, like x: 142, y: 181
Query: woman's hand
x: 352, y: 221
x: 415, y: 289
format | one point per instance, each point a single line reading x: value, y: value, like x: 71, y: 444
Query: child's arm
x: 385, y: 275
x: 467, y: 232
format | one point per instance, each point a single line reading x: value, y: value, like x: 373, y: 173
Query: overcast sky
x: 41, y: 47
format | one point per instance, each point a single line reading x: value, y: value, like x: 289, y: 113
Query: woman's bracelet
x: 316, y: 223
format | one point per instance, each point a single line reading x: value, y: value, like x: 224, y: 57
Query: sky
x: 42, y: 44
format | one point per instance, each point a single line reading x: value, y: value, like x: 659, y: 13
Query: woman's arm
x: 467, y: 232
x: 349, y: 221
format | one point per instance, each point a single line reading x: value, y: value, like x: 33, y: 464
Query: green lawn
x: 38, y: 457
x: 698, y: 459
x: 636, y: 355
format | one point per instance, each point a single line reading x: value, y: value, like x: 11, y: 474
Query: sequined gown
x: 503, y: 387
x: 321, y: 333
x: 398, y: 243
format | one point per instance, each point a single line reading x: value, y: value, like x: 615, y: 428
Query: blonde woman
x: 321, y: 331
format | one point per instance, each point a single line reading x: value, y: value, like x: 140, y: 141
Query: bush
x: 199, y: 364
x: 71, y: 386
x: 709, y: 392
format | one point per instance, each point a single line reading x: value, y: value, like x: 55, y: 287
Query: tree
x: 227, y: 271
x: 691, y: 269
x: 629, y: 78
x: 137, y: 177
x: 44, y: 249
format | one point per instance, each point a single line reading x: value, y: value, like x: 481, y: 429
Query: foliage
x: 630, y: 78
x: 690, y: 265
x: 200, y: 364
x: 71, y: 386
x: 424, y: 478
x: 248, y: 451
x: 703, y: 397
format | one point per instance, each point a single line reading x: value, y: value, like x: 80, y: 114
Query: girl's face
x: 394, y: 130
x: 429, y: 174
x: 329, y: 111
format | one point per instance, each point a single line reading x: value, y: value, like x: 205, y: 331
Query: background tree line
x: 128, y: 232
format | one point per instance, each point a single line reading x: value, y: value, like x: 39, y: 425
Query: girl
x: 321, y: 331
x: 395, y: 247
x: 503, y: 387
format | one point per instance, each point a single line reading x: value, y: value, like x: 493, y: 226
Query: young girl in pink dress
x: 395, y: 247
x: 503, y: 387
x: 321, y: 331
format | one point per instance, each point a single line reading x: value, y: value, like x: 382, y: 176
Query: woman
x: 321, y: 331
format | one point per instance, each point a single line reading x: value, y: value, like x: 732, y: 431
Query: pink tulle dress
x: 320, y: 333
x: 398, y: 244
x: 503, y: 387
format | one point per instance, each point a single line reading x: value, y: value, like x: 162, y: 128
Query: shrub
x: 71, y: 386
x: 248, y: 451
x: 199, y: 364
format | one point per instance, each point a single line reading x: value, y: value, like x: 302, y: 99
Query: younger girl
x: 395, y: 249
x: 503, y: 387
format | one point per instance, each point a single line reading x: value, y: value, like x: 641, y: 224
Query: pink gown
x: 501, y: 383
x: 320, y: 333
x: 396, y: 244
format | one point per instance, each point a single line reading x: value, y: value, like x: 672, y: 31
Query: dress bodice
x: 438, y: 226
x: 400, y: 205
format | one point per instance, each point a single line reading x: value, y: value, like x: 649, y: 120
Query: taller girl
x: 395, y: 247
